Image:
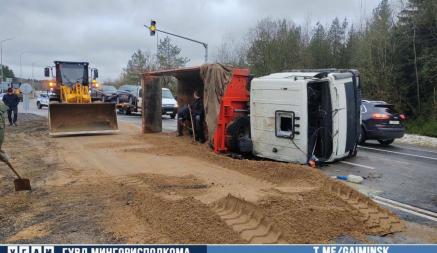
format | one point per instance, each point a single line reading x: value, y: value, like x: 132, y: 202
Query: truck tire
x: 127, y: 111
x: 238, y: 136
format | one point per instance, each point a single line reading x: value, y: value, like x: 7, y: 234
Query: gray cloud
x: 106, y: 32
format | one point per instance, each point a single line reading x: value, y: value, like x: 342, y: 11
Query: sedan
x: 381, y: 122
x: 106, y: 93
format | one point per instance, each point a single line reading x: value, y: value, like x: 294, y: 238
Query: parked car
x: 169, y: 104
x: 128, y: 93
x: 129, y: 98
x: 42, y: 100
x: 106, y: 93
x: 381, y: 122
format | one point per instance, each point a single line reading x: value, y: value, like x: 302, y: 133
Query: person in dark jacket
x: 183, y: 119
x: 198, y: 113
x: 11, y: 100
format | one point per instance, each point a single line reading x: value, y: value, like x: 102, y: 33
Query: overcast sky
x: 107, y: 32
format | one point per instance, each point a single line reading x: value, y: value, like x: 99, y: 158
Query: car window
x: 109, y: 88
x: 385, y: 109
x: 167, y: 94
x: 363, y: 109
x: 129, y: 88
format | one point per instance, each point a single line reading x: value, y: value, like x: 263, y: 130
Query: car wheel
x: 172, y: 116
x: 386, y: 142
x: 39, y: 105
x: 362, y: 136
x: 127, y: 111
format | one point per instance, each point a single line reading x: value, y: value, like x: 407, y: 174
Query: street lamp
x: 21, y: 76
x: 1, y: 56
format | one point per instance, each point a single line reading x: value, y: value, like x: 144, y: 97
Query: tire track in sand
x: 244, y: 218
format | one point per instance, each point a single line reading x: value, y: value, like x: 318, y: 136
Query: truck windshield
x: 167, y: 94
x: 72, y: 73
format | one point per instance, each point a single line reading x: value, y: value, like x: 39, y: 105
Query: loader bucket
x: 81, y: 119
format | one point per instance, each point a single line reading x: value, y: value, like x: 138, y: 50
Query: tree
x: 274, y: 46
x: 231, y: 53
x: 415, y: 58
x: 7, y: 72
x: 319, y: 48
x: 168, y: 55
x: 139, y: 63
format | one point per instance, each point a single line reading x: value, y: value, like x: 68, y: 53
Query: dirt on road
x: 132, y: 188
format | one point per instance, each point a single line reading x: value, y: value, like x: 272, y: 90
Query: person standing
x: 198, y: 113
x: 3, y: 109
x: 11, y: 100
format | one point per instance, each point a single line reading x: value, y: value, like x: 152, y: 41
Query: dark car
x: 381, y: 122
x: 106, y: 93
x: 128, y: 93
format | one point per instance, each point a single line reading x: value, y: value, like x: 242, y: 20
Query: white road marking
x: 399, y: 153
x: 358, y: 165
x: 419, y: 210
x: 406, y: 210
x: 415, y: 149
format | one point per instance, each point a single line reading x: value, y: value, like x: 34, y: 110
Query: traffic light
x: 152, y: 27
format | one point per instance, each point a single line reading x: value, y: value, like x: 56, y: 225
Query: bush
x: 427, y: 127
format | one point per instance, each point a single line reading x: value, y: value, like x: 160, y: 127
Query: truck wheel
x: 39, y: 105
x: 238, y: 136
x: 127, y: 111
x: 386, y: 142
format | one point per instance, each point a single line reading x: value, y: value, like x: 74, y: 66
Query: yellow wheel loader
x: 71, y: 111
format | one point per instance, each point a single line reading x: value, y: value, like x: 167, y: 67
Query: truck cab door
x: 278, y: 119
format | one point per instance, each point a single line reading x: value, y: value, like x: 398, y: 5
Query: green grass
x: 427, y: 127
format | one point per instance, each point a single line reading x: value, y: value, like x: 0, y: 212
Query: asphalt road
x: 399, y: 172
x: 403, y: 173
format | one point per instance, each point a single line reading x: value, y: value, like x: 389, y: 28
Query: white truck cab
x: 305, y: 115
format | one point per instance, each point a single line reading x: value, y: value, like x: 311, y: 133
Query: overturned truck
x: 294, y: 116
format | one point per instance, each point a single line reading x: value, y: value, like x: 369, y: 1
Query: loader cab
x: 70, y: 73
x: 305, y: 115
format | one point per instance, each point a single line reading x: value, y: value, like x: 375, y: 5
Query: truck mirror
x: 47, y: 72
x: 96, y: 73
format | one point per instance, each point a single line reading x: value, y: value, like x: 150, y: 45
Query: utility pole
x: 153, y: 29
x: 32, y: 76
x: 1, y: 57
x: 21, y: 73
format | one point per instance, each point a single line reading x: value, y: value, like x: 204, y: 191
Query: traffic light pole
x: 205, y: 45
